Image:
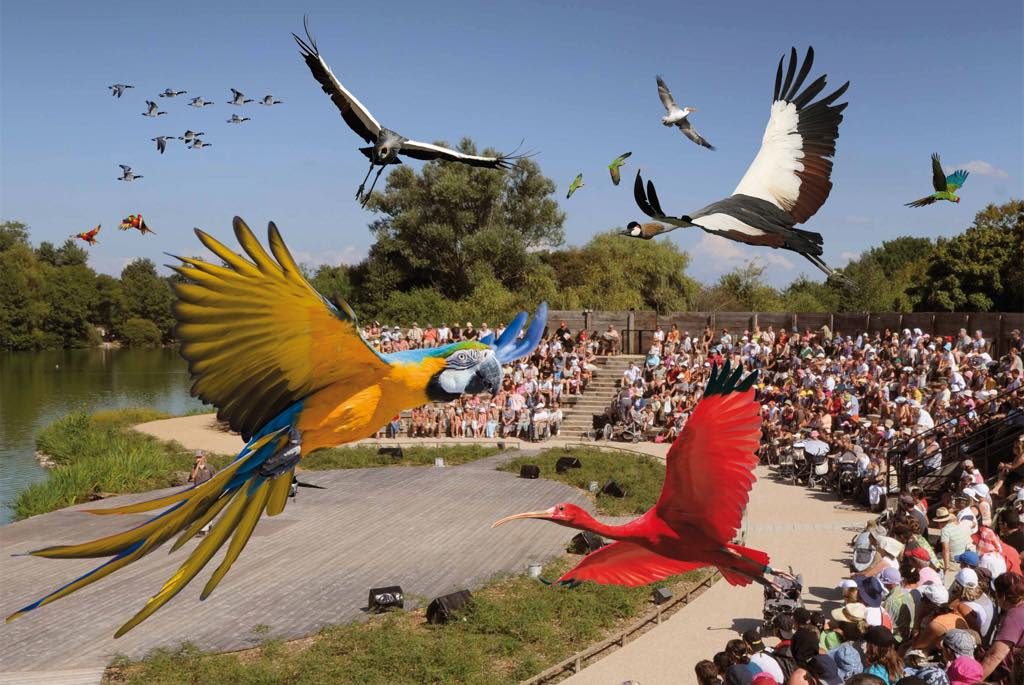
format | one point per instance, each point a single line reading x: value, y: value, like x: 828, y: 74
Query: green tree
x: 109, y: 306
x: 13, y: 233
x: 70, y: 292
x: 331, y: 281
x: 883, y: 278
x: 980, y: 269
x: 613, y: 272
x: 138, y: 332
x: 147, y: 296
x: 23, y: 305
x: 436, y: 228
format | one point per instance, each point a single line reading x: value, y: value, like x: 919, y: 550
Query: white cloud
x: 347, y: 255
x: 726, y: 254
x: 846, y: 257
x: 982, y: 168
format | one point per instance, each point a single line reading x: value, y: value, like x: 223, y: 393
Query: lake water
x: 39, y: 387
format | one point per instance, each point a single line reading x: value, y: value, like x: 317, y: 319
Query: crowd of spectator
x: 529, y: 404
x: 941, y: 604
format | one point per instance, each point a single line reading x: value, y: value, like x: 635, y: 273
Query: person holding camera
x: 201, y: 470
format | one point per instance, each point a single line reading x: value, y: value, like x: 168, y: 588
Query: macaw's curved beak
x: 546, y: 514
x: 487, y: 378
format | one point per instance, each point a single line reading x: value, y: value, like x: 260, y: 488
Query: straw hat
x: 942, y: 515
x: 854, y: 612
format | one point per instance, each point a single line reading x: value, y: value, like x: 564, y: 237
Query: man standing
x: 201, y: 471
x: 953, y: 536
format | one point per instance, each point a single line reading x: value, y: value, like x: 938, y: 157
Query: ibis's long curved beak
x: 546, y: 514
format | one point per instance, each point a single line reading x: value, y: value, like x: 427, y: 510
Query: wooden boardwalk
x: 424, y: 528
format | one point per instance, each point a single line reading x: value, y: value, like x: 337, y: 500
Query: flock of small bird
x: 786, y: 184
x: 132, y: 221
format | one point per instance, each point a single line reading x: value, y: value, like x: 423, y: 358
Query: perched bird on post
x: 576, y: 184
x: 789, y: 179
x: 616, y: 164
x: 289, y: 370
x: 945, y: 186
x: 709, y: 472
x: 385, y: 145
x: 679, y: 117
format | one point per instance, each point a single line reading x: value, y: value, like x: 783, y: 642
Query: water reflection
x: 38, y: 387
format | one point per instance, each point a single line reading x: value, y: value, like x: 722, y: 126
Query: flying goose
x: 199, y: 102
x: 117, y: 90
x: 269, y: 100
x: 153, y: 110
x: 238, y: 98
x: 190, y: 135
x: 161, y: 142
x: 171, y: 93
x: 127, y: 174
x: 198, y: 144
x: 235, y: 119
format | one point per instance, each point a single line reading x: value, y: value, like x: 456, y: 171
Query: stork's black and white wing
x: 429, y: 151
x: 355, y: 114
x: 793, y: 168
x: 690, y: 132
x: 666, y: 97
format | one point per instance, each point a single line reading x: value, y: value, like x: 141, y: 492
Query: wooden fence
x: 636, y: 327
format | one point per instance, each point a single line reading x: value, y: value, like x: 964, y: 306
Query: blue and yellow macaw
x: 289, y: 370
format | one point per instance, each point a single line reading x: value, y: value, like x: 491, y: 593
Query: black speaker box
x: 529, y: 471
x: 661, y: 595
x: 613, y: 489
x: 384, y: 598
x: 565, y: 463
x: 585, y: 543
x: 442, y: 608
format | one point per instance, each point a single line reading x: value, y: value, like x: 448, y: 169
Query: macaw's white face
x: 467, y: 371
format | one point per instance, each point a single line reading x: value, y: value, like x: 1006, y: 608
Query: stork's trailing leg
x: 359, y: 192
x: 366, y: 198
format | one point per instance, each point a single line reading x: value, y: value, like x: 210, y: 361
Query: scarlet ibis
x: 945, y: 186
x: 385, y: 144
x: 679, y: 117
x: 708, y: 475
x: 88, y: 236
x: 789, y: 179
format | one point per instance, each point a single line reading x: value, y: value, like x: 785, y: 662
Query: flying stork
x: 385, y: 145
x: 788, y: 181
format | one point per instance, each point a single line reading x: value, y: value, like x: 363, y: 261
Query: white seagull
x: 385, y: 144
x: 153, y: 110
x: 126, y: 173
x: 199, y: 102
x: 238, y: 98
x: 679, y: 117
x: 788, y: 181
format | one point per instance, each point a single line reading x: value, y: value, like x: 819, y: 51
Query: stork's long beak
x: 546, y: 514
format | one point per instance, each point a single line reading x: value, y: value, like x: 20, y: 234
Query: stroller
x: 819, y: 465
x: 782, y: 602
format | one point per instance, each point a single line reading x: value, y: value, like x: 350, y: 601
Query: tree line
x: 455, y: 243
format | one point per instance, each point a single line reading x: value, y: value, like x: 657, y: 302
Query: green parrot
x: 613, y: 168
x: 576, y: 184
x: 945, y: 186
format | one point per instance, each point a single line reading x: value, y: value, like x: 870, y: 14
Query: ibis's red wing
x: 709, y: 469
x: 629, y: 564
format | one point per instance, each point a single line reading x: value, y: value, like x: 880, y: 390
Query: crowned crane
x: 171, y: 93
x: 235, y: 119
x: 385, y: 145
x: 199, y: 102
x: 788, y: 181
x: 945, y: 186
x: 127, y: 174
x: 117, y: 90
x: 189, y: 135
x: 679, y: 117
x: 269, y: 100
x: 238, y: 98
x: 153, y: 110
x: 161, y: 142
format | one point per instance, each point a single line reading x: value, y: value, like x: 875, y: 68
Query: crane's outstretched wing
x: 355, y: 113
x: 938, y: 175
x: 690, y: 132
x: 709, y: 470
x: 626, y: 563
x: 666, y: 96
x: 793, y: 168
x: 258, y: 337
x: 429, y: 151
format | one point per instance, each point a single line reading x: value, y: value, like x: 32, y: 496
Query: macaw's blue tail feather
x: 258, y: 480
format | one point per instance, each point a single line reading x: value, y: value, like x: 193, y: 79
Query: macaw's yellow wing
x: 258, y: 337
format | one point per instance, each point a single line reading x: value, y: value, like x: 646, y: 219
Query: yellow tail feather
x: 253, y: 511
x: 280, y: 487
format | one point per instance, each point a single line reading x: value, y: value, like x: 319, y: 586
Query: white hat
x: 994, y: 563
x: 847, y: 583
x: 981, y: 489
x: 970, y: 492
x: 935, y: 593
x: 967, y: 577
x: 890, y: 546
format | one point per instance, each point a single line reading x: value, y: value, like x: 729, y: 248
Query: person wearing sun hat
x: 953, y: 536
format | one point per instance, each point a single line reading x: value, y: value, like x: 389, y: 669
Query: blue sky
x: 576, y: 80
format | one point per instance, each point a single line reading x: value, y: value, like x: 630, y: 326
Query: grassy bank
x: 97, y: 455
x: 640, y: 475
x: 515, y: 628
